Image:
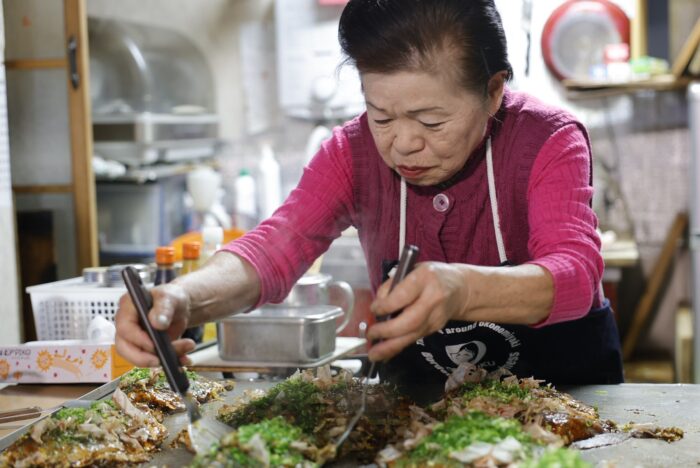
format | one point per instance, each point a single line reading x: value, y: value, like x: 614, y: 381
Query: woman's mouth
x: 411, y: 172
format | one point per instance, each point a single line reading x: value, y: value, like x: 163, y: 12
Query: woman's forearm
x: 224, y: 285
x: 517, y: 295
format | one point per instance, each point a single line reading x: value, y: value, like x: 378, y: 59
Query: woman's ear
x: 496, y: 88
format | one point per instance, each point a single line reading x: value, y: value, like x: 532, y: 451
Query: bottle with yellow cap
x: 193, y: 254
x: 165, y: 265
x: 165, y: 273
x: 190, y: 262
x: 190, y: 257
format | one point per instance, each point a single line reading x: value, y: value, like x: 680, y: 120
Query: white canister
x: 270, y: 182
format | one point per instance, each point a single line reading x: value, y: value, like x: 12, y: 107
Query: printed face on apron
x: 471, y: 352
x: 485, y: 344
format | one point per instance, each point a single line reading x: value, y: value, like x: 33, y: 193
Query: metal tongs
x: 203, y: 431
x: 409, y: 255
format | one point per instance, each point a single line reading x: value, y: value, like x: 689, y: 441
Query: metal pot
x: 320, y: 289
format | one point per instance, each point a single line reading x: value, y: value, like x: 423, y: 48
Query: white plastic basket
x: 63, y: 309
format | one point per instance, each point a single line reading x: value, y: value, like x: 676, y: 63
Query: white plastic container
x: 246, y: 201
x: 270, y: 182
x: 101, y: 330
x: 203, y: 184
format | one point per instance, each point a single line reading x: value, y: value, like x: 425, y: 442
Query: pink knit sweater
x: 542, y: 171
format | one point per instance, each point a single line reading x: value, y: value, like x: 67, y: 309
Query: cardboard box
x: 64, y: 361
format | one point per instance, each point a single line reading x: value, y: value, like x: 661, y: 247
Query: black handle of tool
x: 408, y: 259
x: 409, y: 255
x: 143, y: 301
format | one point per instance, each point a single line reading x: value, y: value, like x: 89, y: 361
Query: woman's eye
x: 432, y: 125
x: 382, y: 121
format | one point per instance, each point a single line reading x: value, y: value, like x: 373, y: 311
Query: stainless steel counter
x: 665, y: 405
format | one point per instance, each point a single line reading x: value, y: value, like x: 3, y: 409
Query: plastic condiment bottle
x: 190, y: 257
x: 246, y: 201
x: 271, y: 182
x: 212, y: 238
x: 165, y: 265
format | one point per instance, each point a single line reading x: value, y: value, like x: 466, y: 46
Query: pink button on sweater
x: 542, y: 171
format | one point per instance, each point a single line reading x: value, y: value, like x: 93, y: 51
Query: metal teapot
x: 318, y: 289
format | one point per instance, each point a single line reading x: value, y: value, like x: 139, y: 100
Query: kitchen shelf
x: 586, y: 89
x: 684, y: 69
x: 154, y: 172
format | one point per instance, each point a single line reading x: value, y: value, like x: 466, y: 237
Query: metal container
x: 318, y: 289
x: 114, y: 278
x: 278, y: 333
x: 95, y: 275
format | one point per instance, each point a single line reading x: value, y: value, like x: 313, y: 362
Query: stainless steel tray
x: 97, y: 394
x: 174, y: 423
x: 208, y: 359
x: 279, y: 334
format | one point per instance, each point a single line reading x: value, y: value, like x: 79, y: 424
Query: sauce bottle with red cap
x: 165, y: 265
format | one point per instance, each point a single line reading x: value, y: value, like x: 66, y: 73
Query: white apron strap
x: 494, y: 204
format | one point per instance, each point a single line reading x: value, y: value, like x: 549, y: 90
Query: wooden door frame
x: 82, y: 186
x: 80, y: 119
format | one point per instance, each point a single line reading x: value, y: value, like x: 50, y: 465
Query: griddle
x: 662, y: 404
x: 665, y: 405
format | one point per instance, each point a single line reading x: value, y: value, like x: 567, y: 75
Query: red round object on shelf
x: 576, y: 33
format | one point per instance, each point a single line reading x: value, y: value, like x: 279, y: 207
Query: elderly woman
x: 493, y: 186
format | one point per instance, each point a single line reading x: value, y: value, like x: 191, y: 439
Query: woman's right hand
x: 170, y: 312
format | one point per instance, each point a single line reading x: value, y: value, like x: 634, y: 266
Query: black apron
x: 583, y: 351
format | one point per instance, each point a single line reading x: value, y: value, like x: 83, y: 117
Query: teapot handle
x: 349, y: 302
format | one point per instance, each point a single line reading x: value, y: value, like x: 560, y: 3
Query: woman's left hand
x: 430, y: 295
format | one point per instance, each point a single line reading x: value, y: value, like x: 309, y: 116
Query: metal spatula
x: 409, y: 255
x: 203, y: 431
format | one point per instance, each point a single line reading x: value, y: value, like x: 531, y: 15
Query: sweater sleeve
x: 563, y: 237
x: 284, y: 246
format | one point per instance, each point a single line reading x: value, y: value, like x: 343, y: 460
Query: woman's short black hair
x: 386, y: 36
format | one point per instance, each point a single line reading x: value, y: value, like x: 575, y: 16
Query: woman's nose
x: 407, y: 141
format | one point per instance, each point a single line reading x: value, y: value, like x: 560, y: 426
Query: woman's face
x: 425, y: 126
